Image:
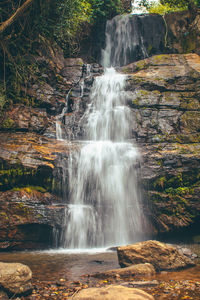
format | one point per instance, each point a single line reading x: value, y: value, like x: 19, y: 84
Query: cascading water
x: 104, y: 207
x: 124, y: 41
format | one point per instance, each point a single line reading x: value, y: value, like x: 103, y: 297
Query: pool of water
x: 53, y: 265
x: 56, y: 264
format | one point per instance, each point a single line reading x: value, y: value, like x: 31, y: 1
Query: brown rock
x: 113, y: 292
x: 163, y: 91
x: 139, y: 269
x: 3, y: 295
x: 73, y: 62
x: 15, y: 277
x: 22, y: 117
x: 27, y: 218
x: 160, y: 255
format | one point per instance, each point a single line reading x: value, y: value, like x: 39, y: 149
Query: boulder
x: 161, y: 256
x: 135, y: 270
x: 112, y: 292
x: 15, y: 277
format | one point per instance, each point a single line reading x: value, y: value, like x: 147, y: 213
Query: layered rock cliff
x: 163, y: 93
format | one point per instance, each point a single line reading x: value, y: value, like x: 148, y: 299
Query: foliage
x: 162, y: 9
x: 65, y: 21
x: 181, y: 3
x: 105, y: 9
x: 166, y: 6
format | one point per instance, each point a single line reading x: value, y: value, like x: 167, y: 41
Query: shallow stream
x: 53, y: 265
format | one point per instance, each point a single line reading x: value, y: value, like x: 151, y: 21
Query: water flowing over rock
x: 132, y: 37
x: 104, y: 207
x: 161, y: 113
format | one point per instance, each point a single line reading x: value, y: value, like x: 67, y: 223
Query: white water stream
x: 104, y: 207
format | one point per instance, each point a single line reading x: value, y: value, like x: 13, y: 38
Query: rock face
x: 182, y: 32
x: 145, y: 269
x: 163, y: 92
x: 30, y: 178
x: 29, y: 218
x: 15, y: 278
x: 140, y: 36
x: 33, y: 164
x: 113, y: 292
x: 160, y: 255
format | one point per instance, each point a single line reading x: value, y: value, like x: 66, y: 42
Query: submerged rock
x: 160, y: 255
x: 145, y: 269
x: 15, y: 277
x: 111, y: 292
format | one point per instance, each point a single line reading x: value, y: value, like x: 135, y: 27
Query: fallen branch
x: 15, y: 16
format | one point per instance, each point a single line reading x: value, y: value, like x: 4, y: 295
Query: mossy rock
x: 190, y: 121
x: 8, y: 124
x: 18, y: 176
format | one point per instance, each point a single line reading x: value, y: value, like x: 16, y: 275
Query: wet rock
x: 160, y: 255
x: 187, y: 252
x: 29, y: 218
x: 163, y: 93
x: 15, y: 277
x: 30, y: 172
x: 149, y: 283
x: 23, y: 118
x: 145, y: 269
x: 145, y: 35
x: 72, y: 73
x: 182, y: 32
x: 113, y: 292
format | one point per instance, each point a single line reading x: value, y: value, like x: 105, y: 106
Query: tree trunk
x: 15, y: 16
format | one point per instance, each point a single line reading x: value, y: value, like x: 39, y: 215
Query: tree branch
x: 15, y: 16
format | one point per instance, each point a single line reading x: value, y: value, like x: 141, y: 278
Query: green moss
x: 4, y: 215
x: 143, y: 92
x: 175, y: 181
x: 149, y: 49
x: 30, y: 188
x: 191, y: 121
x: 22, y: 209
x: 160, y: 182
x: 136, y: 101
x: 18, y: 176
x: 8, y: 123
x: 141, y: 65
x: 178, y: 191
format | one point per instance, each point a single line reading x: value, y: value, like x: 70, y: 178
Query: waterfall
x: 104, y: 200
x: 132, y: 37
x: 124, y: 41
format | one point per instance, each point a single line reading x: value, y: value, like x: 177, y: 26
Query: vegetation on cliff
x: 165, y: 6
x: 25, y: 23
